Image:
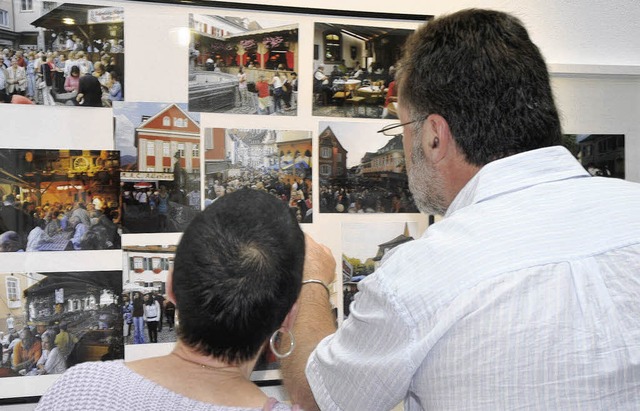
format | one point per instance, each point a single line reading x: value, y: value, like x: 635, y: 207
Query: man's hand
x: 315, y: 321
x: 319, y: 263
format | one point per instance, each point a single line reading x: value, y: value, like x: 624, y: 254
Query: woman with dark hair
x: 236, y: 277
x: 151, y: 316
x: 138, y: 319
x: 72, y: 82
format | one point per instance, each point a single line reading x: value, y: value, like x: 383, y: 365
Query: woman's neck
x: 190, y: 356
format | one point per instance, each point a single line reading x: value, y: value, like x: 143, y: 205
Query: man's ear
x: 437, y: 138
x: 169, y: 284
x: 290, y: 319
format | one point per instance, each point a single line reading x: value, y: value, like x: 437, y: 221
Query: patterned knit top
x: 111, y: 385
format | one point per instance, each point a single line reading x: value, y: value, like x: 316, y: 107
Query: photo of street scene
x: 59, y: 200
x: 160, y: 155
x: 51, y: 321
x: 144, y: 294
x: 361, y: 170
x: 600, y: 154
x: 354, y: 70
x: 364, y: 246
x: 276, y: 161
x: 243, y: 65
x: 61, y: 54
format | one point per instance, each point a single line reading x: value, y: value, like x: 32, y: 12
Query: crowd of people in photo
x: 159, y: 209
x: 360, y: 198
x: 26, y: 352
x: 51, y: 349
x: 296, y: 192
x: 71, y: 75
x: 25, y: 226
x: 151, y: 309
x: 277, y: 94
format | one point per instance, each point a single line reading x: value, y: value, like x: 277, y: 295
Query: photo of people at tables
x: 59, y: 200
x: 243, y: 65
x: 63, y: 55
x: 354, y: 70
x: 361, y: 170
x: 57, y: 320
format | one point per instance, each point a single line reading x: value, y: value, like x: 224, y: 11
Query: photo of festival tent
x: 64, y: 54
x: 277, y: 161
x: 60, y: 319
x: 59, y: 200
x: 160, y: 155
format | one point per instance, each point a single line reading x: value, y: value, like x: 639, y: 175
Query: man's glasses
x: 392, y: 129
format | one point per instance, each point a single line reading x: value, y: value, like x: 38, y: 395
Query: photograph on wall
x: 59, y: 200
x: 52, y: 321
x: 354, y: 70
x: 601, y: 155
x: 364, y: 246
x: 144, y: 294
x: 243, y: 65
x: 361, y: 170
x: 62, y: 54
x: 159, y: 145
x: 276, y: 161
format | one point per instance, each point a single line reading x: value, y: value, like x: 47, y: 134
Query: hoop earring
x: 272, y: 343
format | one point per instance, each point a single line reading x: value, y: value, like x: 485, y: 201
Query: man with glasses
x: 526, y: 295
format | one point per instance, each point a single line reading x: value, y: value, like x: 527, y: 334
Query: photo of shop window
x: 276, y: 161
x: 144, y: 295
x: 243, y: 65
x: 364, y: 246
x: 354, y: 73
x: 59, y: 200
x: 361, y: 170
x: 63, y: 54
x: 602, y: 155
x: 53, y: 321
x: 160, y: 148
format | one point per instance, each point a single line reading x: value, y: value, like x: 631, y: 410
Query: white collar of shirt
x: 517, y: 172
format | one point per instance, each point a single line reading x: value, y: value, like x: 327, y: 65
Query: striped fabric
x: 526, y: 296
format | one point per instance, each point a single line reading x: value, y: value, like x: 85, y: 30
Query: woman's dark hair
x: 75, y: 70
x: 237, y: 273
x: 480, y: 71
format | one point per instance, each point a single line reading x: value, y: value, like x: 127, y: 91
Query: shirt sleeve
x: 367, y: 363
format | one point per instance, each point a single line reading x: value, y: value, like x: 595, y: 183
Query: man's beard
x: 425, y: 183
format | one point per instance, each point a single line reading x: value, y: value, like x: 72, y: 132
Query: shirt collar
x: 517, y: 172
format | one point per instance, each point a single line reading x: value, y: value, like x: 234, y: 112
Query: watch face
x: 80, y: 163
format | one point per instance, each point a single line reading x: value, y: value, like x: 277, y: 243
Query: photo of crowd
x: 354, y: 70
x: 364, y: 246
x: 59, y: 200
x: 243, y: 65
x: 53, y: 321
x: 361, y: 170
x: 276, y: 161
x: 160, y: 155
x: 602, y: 155
x: 75, y: 57
x: 147, y: 315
